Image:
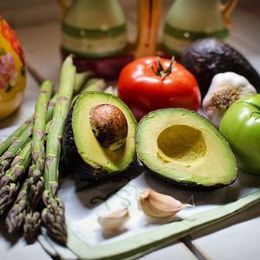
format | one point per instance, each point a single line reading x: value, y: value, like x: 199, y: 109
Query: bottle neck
x: 94, y: 5
x: 94, y: 14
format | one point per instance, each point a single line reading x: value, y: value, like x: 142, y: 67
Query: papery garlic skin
x: 158, y: 205
x: 114, y: 220
x: 224, y: 90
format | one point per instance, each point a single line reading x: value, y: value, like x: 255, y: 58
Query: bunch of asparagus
x: 29, y: 161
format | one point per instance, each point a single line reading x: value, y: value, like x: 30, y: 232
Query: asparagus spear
x: 15, y: 216
x: 93, y: 84
x: 17, y: 140
x: 36, y: 181
x: 13, y: 149
x: 80, y: 80
x: 9, y: 184
x: 53, y: 213
x: 20, y: 141
x: 12, y: 138
x: 20, y: 213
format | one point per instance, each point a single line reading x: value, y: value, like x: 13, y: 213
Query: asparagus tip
x: 7, y: 195
x: 15, y: 216
x: 31, y: 227
x: 54, y: 219
x: 35, y: 187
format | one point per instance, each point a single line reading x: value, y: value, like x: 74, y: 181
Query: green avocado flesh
x: 183, y: 147
x: 96, y: 161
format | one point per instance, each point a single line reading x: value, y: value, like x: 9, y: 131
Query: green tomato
x: 241, y: 127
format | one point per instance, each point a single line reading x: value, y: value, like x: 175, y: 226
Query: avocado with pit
x: 98, y: 140
x: 184, y: 148
x: 207, y: 57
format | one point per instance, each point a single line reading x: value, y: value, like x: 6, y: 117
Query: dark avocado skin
x: 208, y: 57
x: 75, y: 164
x: 72, y: 159
x: 186, y: 185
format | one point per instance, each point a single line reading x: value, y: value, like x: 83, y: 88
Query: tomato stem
x: 159, y: 66
x: 160, y: 71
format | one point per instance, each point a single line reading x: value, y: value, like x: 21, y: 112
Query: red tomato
x: 151, y: 83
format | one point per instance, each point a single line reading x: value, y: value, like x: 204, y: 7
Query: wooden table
x: 237, y: 238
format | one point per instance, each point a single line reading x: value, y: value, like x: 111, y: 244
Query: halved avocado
x: 98, y: 136
x: 184, y: 148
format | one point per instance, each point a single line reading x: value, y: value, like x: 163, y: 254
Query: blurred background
x: 38, y: 26
x: 25, y: 13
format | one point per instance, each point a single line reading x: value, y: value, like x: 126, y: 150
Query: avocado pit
x: 109, y: 126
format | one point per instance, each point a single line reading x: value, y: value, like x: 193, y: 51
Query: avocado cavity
x: 181, y: 143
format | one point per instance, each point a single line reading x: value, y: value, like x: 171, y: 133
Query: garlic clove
x: 114, y: 220
x: 158, y: 205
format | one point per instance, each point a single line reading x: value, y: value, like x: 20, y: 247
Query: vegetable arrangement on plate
x: 99, y: 137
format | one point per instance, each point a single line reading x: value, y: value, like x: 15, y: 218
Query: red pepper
x: 151, y: 83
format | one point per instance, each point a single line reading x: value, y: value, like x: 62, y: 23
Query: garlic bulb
x: 157, y: 205
x: 224, y: 90
x: 114, y: 221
